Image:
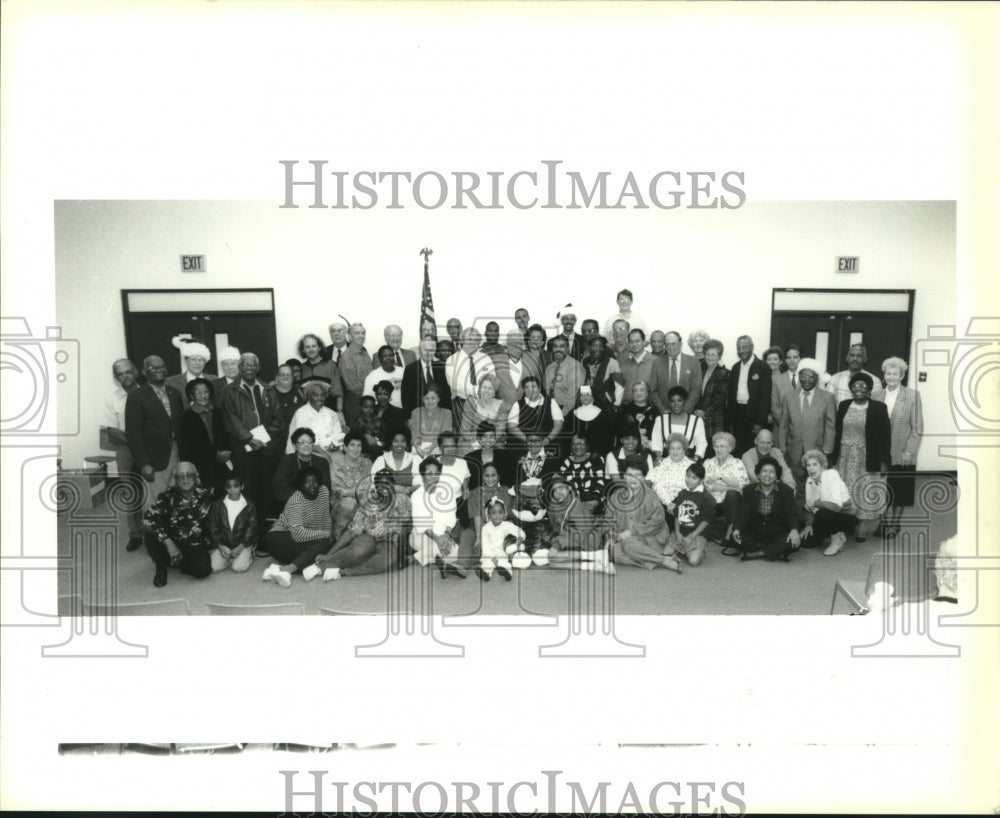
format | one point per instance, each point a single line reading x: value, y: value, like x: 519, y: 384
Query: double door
x: 155, y: 319
x: 826, y: 323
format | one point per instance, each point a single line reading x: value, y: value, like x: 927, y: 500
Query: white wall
x: 713, y: 269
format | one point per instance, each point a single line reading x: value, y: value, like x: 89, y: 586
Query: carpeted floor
x: 720, y: 585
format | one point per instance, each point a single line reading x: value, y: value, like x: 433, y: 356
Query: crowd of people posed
x: 585, y: 450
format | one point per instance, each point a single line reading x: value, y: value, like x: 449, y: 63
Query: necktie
x: 673, y: 372
x: 794, y: 385
x: 255, y: 392
x: 806, y: 400
x: 428, y: 378
x: 399, y: 359
x: 472, y: 370
x: 555, y: 380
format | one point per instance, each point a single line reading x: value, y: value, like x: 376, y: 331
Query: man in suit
x: 152, y: 421
x: 417, y: 375
x: 394, y: 339
x: 749, y: 399
x: 574, y: 340
x: 674, y: 369
x: 338, y: 342
x: 806, y: 420
x: 196, y: 357
x: 513, y: 366
x: 247, y: 405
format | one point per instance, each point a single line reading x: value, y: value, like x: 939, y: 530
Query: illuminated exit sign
x: 848, y: 264
x: 193, y: 264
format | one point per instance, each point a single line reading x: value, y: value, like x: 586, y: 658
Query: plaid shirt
x: 765, y: 501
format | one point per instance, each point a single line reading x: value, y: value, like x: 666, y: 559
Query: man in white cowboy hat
x: 229, y: 368
x: 574, y: 340
x: 196, y: 356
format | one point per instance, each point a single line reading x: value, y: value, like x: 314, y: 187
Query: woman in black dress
x: 640, y: 413
x: 202, y: 436
x: 594, y: 422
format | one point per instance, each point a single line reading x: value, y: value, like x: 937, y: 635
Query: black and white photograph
x: 499, y: 407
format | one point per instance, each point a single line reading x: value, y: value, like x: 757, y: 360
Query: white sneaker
x: 331, y: 574
x: 283, y: 578
x: 836, y: 545
x: 269, y: 572
x: 521, y: 560
x: 311, y: 572
x: 603, y: 563
x: 541, y: 556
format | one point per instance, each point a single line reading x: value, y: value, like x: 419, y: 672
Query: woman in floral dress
x: 861, y: 453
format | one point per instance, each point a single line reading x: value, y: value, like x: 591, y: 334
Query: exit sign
x: 193, y: 264
x: 848, y: 264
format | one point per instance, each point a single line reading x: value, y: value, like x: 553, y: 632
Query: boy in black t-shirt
x: 693, y: 508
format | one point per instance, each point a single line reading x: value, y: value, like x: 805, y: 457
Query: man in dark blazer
x: 675, y: 369
x: 152, y: 421
x: 415, y: 379
x: 806, y: 421
x: 749, y: 395
x: 246, y: 405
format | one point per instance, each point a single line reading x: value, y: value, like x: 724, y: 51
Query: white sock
x: 311, y: 571
x: 283, y: 578
x: 268, y: 574
x: 331, y: 574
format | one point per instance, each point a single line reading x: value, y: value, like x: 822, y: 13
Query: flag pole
x: 426, y: 301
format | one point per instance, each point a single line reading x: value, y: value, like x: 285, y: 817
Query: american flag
x: 426, y: 301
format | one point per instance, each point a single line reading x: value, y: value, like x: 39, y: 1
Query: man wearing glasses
x: 177, y: 527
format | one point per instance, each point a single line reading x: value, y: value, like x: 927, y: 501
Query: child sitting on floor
x: 693, y: 508
x: 500, y: 538
x: 232, y: 522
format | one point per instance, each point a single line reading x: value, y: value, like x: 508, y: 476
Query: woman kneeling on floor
x: 372, y: 541
x: 578, y: 537
x: 176, y: 527
x: 767, y: 522
x: 827, y: 501
x: 640, y: 532
x: 302, y: 532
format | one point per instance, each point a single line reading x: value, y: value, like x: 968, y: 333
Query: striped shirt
x: 306, y: 519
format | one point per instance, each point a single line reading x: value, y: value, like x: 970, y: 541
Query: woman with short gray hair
x: 320, y: 418
x: 907, y: 426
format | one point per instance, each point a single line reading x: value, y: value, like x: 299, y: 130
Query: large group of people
x: 585, y: 450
